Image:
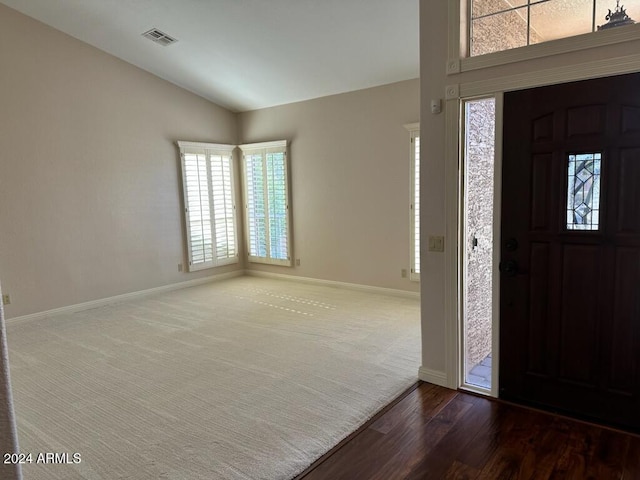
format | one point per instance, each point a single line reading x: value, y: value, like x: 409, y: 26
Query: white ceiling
x: 250, y: 54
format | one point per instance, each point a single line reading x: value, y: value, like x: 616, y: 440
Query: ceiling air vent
x: 159, y: 37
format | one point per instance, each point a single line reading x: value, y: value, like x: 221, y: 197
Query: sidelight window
x: 583, y: 191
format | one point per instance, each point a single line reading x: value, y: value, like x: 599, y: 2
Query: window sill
x: 270, y: 261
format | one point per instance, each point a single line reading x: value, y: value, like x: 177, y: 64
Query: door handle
x: 509, y: 268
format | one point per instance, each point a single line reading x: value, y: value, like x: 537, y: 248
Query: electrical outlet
x: 436, y: 244
x: 6, y: 299
x: 403, y: 273
x: 179, y: 267
x: 297, y: 262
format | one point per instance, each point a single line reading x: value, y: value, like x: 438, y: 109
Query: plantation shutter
x: 224, y: 209
x: 266, y: 196
x: 209, y: 197
x: 198, y: 212
x: 416, y: 205
x: 414, y: 249
x: 255, y: 205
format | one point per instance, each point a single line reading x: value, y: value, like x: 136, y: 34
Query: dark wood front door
x: 570, y: 243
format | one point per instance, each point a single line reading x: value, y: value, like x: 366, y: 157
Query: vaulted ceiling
x: 250, y: 54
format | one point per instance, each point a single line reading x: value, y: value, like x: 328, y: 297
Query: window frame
x: 264, y: 148
x: 209, y: 150
x: 459, y: 61
x: 414, y: 202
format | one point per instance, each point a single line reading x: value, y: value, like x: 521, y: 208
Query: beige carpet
x: 249, y: 378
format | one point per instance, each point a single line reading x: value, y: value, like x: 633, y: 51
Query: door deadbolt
x: 511, y: 245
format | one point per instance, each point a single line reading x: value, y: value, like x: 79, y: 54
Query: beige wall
x: 90, y: 200
x: 90, y: 204
x: 433, y: 57
x: 350, y: 182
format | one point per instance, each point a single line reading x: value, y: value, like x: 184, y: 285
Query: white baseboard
x: 200, y: 281
x: 333, y: 283
x: 124, y: 297
x: 433, y: 376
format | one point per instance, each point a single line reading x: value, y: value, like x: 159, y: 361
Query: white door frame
x: 454, y: 95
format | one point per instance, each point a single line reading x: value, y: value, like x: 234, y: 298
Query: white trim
x: 461, y: 205
x: 452, y: 91
x: 497, y: 226
x: 433, y: 376
x: 412, y: 127
x: 550, y: 76
x: 475, y: 389
x: 79, y: 307
x: 256, y: 146
x: 457, y: 34
x: 453, y: 66
x: 332, y: 283
x: 451, y: 293
x: 207, y: 146
x: 553, y: 47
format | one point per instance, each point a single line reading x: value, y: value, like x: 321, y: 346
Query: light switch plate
x: 436, y: 243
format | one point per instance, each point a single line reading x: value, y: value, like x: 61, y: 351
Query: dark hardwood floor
x: 436, y: 433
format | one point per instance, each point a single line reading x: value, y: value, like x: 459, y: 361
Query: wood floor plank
x: 403, y: 433
x: 460, y: 431
x: 461, y: 471
x: 608, y: 456
x: 436, y: 433
x: 631, y: 466
x: 542, y: 446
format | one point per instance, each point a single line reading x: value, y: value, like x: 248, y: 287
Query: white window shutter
x: 416, y: 205
x: 266, y: 194
x: 278, y: 208
x: 414, y: 250
x: 210, y: 213
x: 200, y: 240
x: 255, y: 205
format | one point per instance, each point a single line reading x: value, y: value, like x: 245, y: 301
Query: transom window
x: 497, y: 25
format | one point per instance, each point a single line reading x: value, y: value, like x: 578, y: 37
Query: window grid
x: 499, y: 26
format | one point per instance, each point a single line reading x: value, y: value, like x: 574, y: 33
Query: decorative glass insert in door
x: 583, y: 191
